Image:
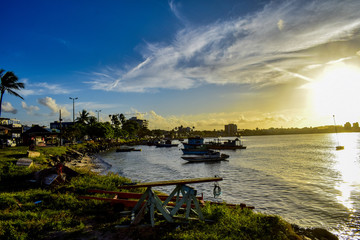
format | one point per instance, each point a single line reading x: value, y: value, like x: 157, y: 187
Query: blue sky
x: 192, y: 63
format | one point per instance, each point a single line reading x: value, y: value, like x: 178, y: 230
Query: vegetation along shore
x: 31, y: 208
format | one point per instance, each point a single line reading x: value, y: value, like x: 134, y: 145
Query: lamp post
x: 73, y: 107
x: 98, y: 111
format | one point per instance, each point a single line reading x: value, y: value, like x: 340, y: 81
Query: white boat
x: 208, y: 157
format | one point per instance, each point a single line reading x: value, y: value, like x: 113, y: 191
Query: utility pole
x: 60, y: 119
x: 73, y: 107
x: 98, y: 111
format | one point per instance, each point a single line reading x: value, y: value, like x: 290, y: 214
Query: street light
x: 73, y: 107
x: 98, y: 111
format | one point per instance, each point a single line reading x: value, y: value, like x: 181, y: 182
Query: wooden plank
x: 128, y: 195
x: 125, y: 202
x: 172, y: 182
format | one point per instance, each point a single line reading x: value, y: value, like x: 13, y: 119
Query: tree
x: 115, y: 120
x: 83, y: 117
x: 131, y: 127
x: 122, y: 118
x: 92, y: 120
x: 9, y: 83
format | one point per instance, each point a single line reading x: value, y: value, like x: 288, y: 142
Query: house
x: 10, y: 131
x: 39, y: 136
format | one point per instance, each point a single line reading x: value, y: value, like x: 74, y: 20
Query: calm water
x: 299, y: 177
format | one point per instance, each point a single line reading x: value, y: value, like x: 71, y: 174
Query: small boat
x: 166, y: 143
x: 127, y: 149
x: 208, y: 157
x: 225, y: 144
x: 338, y: 147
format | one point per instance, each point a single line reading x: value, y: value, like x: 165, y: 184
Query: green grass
x: 34, y: 213
x: 235, y: 223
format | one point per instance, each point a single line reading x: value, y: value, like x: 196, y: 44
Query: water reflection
x: 348, y: 167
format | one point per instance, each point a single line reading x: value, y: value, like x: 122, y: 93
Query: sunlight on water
x: 299, y: 177
x: 347, y: 164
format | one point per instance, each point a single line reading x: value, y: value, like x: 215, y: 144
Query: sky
x: 202, y: 64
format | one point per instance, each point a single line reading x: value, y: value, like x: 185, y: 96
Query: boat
x: 208, y: 157
x: 338, y: 147
x: 194, y: 142
x: 127, y: 149
x: 195, y: 146
x: 166, y: 143
x: 225, y: 144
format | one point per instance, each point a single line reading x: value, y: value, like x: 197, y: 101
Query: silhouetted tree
x: 83, y: 117
x: 9, y: 83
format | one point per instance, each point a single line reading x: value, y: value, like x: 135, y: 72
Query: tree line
x: 88, y: 127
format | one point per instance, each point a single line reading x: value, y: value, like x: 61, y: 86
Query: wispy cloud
x: 51, y: 104
x: 286, y: 35
x: 174, y: 7
x: 42, y: 88
x: 7, y: 107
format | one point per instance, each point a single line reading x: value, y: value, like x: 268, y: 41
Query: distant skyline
x: 203, y: 63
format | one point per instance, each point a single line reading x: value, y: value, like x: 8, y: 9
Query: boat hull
x: 222, y: 147
x: 194, y: 151
x: 206, y: 158
x: 167, y: 145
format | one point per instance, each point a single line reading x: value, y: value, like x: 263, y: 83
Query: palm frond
x: 11, y: 92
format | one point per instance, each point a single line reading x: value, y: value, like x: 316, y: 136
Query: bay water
x: 300, y: 177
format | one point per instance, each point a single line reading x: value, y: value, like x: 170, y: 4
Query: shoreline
x: 92, y: 162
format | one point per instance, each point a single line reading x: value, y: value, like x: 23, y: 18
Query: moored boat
x: 225, y: 144
x: 208, y: 157
x: 167, y: 143
x: 195, y: 145
x: 127, y: 149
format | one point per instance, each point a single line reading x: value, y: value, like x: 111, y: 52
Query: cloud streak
x: 284, y: 34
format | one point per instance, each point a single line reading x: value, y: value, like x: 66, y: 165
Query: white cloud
x: 239, y: 50
x: 7, y: 107
x: 29, y: 109
x: 51, y: 103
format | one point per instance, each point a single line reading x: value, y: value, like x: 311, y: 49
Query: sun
x: 337, y: 92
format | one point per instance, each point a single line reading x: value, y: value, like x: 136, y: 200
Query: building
x: 231, y: 129
x: 56, y: 125
x: 142, y: 123
x: 11, y: 129
x: 39, y: 136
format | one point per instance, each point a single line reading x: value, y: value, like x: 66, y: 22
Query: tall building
x: 231, y: 129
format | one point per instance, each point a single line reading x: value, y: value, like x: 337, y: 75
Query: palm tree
x: 83, y: 117
x: 9, y: 83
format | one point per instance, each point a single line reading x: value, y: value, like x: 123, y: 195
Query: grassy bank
x: 29, y: 211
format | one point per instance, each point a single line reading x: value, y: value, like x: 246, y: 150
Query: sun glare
x: 337, y: 92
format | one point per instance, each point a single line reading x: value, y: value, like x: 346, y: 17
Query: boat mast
x: 337, y: 138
